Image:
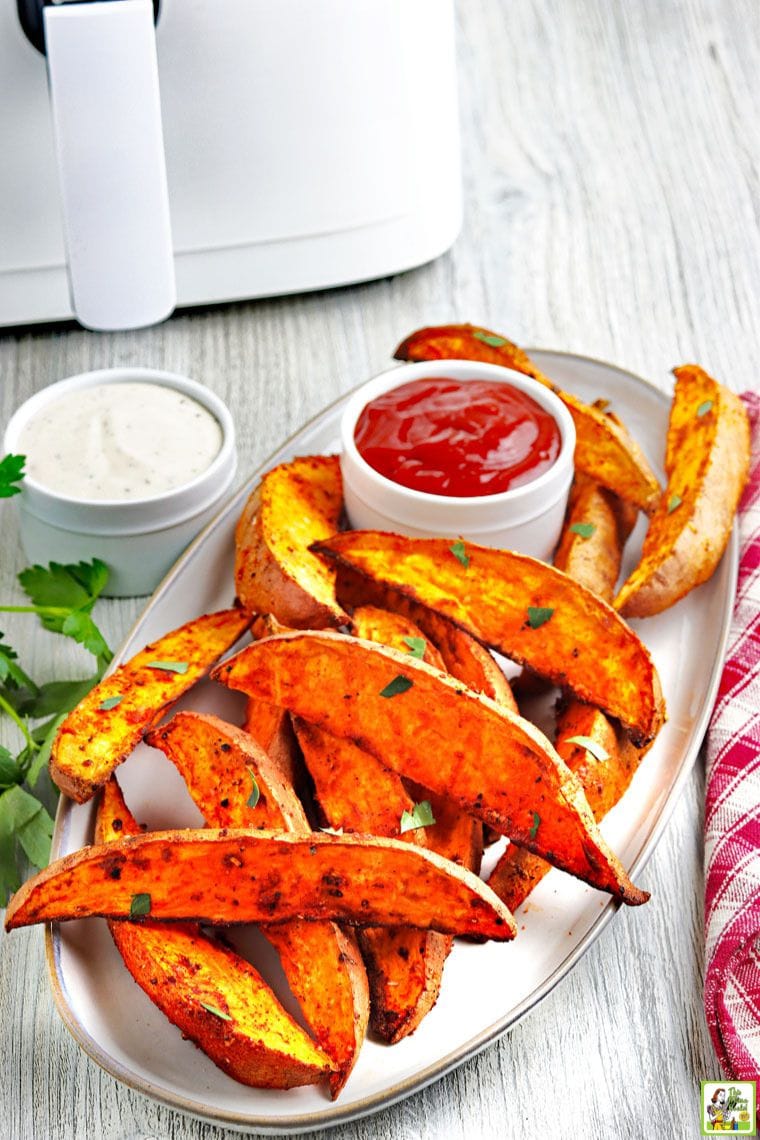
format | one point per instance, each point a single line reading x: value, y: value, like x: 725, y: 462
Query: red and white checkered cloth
x: 732, y: 815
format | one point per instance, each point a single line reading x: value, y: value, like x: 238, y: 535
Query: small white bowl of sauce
x: 123, y: 464
x: 453, y: 447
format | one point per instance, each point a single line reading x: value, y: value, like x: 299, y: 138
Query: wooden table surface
x: 611, y: 178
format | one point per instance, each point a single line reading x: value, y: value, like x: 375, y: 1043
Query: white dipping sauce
x: 120, y: 442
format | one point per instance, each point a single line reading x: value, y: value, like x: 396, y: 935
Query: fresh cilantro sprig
x: 62, y: 597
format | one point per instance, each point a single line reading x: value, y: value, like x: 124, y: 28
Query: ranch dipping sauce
x: 120, y: 442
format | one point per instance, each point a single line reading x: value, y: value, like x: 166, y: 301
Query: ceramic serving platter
x: 486, y: 988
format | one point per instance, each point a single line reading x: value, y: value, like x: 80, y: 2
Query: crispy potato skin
x: 603, y: 451
x: 93, y: 741
x: 237, y: 875
x: 707, y: 464
x: 459, y: 744
x: 584, y: 647
x: 321, y: 961
x: 180, y: 968
x: 604, y: 782
x: 295, y: 504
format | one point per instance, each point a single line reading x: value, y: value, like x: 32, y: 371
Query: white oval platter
x: 487, y: 988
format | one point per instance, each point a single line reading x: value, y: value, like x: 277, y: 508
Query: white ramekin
x: 527, y: 519
x: 139, y: 539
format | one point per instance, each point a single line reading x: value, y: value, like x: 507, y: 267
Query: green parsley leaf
x: 585, y: 530
x: 56, y: 587
x: 11, y: 672
x: 45, y: 734
x: 110, y: 703
x: 58, y: 696
x: 79, y: 626
x: 674, y: 503
x: 704, y: 408
x: 459, y: 552
x: 216, y: 1011
x: 11, y: 472
x: 416, y: 646
x: 597, y: 751
x: 139, y: 906
x: 399, y: 684
x: 170, y: 666
x: 255, y: 795
x: 10, y: 772
x: 539, y: 615
x: 35, y: 837
x: 534, y: 828
x: 490, y: 339
x: 421, y: 815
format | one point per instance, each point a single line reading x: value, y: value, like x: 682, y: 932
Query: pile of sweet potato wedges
x: 383, y: 744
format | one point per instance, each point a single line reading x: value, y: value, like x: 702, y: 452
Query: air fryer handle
x: 107, y: 121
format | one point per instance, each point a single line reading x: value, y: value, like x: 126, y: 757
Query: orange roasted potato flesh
x: 603, y: 449
x: 294, y: 505
x: 375, y: 624
x: 461, y: 655
x: 234, y: 783
x: 707, y: 464
x: 213, y: 996
x: 110, y: 721
x: 229, y: 876
x: 525, y: 609
x: 605, y: 774
x: 269, y: 726
x: 356, y: 792
x: 595, y: 529
x: 433, y: 730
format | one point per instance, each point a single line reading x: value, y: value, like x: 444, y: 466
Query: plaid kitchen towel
x: 732, y: 814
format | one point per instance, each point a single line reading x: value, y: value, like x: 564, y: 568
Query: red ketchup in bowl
x: 457, y: 438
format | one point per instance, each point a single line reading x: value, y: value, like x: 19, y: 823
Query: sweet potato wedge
x: 233, y: 876
x: 321, y: 962
x: 603, y: 451
x: 707, y: 464
x: 269, y: 726
x: 356, y: 793
x: 109, y: 722
x: 604, y: 777
x: 433, y: 730
x: 295, y: 504
x: 462, y: 656
x: 519, y: 606
x: 375, y: 624
x: 213, y: 996
x: 590, y: 548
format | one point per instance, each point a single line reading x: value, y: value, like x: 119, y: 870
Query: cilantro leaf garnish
x: 416, y: 647
x: 490, y: 339
x: 11, y: 473
x: 597, y: 751
x: 110, y: 703
x: 421, y: 815
x: 539, y: 615
x: 534, y: 827
x: 704, y: 408
x: 216, y: 1011
x: 399, y: 684
x: 674, y: 503
x: 584, y: 529
x: 169, y: 666
x: 458, y: 550
x: 255, y: 795
x: 139, y: 905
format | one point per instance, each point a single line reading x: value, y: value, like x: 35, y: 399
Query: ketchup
x: 458, y: 438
